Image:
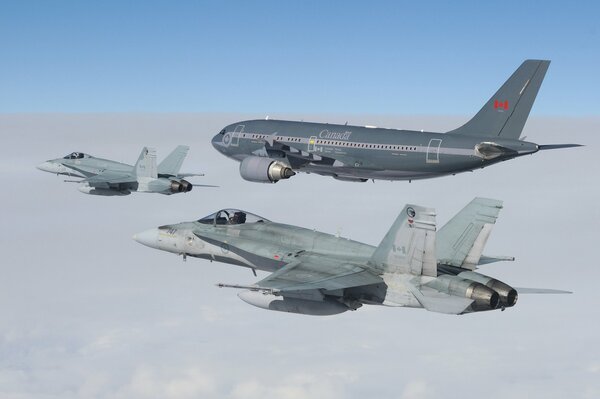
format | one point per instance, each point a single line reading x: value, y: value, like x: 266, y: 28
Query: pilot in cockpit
x: 238, y: 218
x: 75, y: 155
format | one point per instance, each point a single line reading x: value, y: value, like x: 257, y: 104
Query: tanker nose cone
x: 214, y: 141
x: 222, y: 140
x: 148, y: 238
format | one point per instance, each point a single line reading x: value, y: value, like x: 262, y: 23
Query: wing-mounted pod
x: 105, y: 192
x: 270, y: 301
x: 264, y: 170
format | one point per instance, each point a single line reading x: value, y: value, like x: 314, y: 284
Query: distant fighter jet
x: 319, y: 274
x: 272, y: 150
x: 108, y: 178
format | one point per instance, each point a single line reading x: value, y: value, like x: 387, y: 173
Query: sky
x: 385, y: 57
x: 86, y: 312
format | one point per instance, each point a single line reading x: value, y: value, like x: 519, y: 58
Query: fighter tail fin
x: 505, y: 114
x: 172, y: 163
x: 146, y: 163
x: 409, y: 245
x: 460, y: 242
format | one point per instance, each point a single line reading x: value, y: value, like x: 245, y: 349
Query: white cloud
x: 416, y: 390
x: 328, y: 385
x: 85, y: 312
x: 149, y: 383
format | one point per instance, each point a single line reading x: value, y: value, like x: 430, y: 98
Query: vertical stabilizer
x: 409, y: 245
x: 461, y: 241
x: 171, y: 165
x: 505, y: 114
x: 146, y: 164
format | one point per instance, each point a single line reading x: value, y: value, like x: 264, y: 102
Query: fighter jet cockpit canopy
x: 76, y: 155
x: 232, y: 217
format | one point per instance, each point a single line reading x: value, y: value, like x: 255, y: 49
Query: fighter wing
x: 108, y: 178
x: 324, y: 275
x: 311, y: 273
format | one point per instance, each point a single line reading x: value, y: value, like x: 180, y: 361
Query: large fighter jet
x: 319, y: 274
x: 109, y: 178
x: 271, y: 150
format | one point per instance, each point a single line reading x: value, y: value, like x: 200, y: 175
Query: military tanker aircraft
x: 273, y: 150
x: 315, y: 273
x: 111, y: 178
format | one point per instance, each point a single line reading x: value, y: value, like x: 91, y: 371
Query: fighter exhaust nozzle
x: 182, y: 186
x: 484, y: 298
x: 507, y: 294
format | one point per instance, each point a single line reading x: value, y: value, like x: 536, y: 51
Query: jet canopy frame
x: 76, y: 155
x: 231, y: 217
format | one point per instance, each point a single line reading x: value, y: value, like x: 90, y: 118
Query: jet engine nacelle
x: 484, y: 297
x: 86, y: 189
x: 181, y: 186
x: 292, y: 305
x: 264, y: 170
x: 508, y: 295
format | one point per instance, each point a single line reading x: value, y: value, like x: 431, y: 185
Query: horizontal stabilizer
x: 484, y: 260
x: 540, y: 291
x: 543, y: 147
x: 204, y: 185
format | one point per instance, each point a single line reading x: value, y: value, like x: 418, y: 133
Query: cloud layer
x: 85, y: 312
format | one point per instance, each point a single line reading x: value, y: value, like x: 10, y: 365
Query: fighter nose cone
x: 148, y: 238
x: 48, y: 167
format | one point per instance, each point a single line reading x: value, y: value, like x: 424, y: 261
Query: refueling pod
x: 264, y: 170
x: 86, y: 189
x: 280, y: 303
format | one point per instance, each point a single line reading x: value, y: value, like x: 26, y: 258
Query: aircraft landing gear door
x: 311, y: 143
x: 433, y: 151
x: 235, y: 137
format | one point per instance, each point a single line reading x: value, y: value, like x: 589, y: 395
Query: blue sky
x: 302, y: 57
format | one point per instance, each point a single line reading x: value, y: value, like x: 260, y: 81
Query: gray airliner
x: 272, y: 150
x: 320, y: 274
